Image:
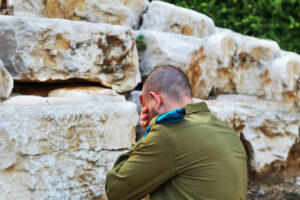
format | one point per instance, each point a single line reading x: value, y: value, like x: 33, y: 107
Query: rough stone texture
x: 226, y: 63
x: 284, y: 81
x: 117, y: 12
x: 36, y: 49
x: 166, y: 17
x: 134, y: 97
x: 240, y: 60
x: 86, y: 91
x: 255, y: 67
x: 190, y: 54
x: 268, y: 133
x: 6, y: 82
x: 61, y: 148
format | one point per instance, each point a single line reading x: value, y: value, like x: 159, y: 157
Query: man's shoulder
x: 179, y: 118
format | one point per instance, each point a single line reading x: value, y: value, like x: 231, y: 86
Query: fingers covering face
x: 144, y: 117
x: 145, y: 110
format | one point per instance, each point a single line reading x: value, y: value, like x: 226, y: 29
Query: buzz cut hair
x: 168, y: 80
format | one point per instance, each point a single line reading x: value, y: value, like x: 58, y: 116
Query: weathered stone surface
x: 283, y: 84
x: 241, y: 59
x: 268, y: 133
x: 58, y: 175
x: 190, y: 54
x: 250, y: 66
x: 86, y: 91
x: 117, y: 12
x: 166, y: 17
x: 134, y: 97
x: 226, y: 63
x: 6, y: 82
x: 39, y: 49
x: 61, y: 148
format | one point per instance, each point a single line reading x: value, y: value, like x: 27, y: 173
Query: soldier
x: 186, y: 152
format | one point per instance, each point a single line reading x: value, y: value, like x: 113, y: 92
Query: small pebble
x: 298, y: 181
x: 261, y: 192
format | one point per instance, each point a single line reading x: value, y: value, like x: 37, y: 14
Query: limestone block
x: 166, y: 17
x: 269, y: 132
x: 224, y: 48
x: 41, y: 125
x: 284, y: 79
x: 243, y: 62
x: 134, y: 97
x: 6, y: 82
x: 190, y: 54
x: 58, y: 175
x: 255, y: 67
x: 245, y: 67
x: 82, y: 91
x: 40, y: 49
x: 117, y: 12
x: 62, y: 147
x: 251, y: 64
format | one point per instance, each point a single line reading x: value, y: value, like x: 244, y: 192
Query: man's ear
x: 157, y: 99
x: 141, y: 99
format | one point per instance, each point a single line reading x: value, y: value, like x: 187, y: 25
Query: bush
x: 277, y: 20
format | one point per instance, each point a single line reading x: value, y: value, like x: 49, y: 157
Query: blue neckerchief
x: 168, y: 118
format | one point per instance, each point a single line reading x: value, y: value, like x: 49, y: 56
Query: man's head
x: 165, y: 89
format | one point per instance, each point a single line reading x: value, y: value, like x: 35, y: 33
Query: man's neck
x: 176, y: 105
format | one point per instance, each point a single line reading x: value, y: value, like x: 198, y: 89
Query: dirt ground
x: 279, y: 188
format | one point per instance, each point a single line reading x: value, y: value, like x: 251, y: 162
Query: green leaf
x: 140, y: 38
x: 142, y: 47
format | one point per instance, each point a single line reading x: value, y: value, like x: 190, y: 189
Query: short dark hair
x: 169, y: 80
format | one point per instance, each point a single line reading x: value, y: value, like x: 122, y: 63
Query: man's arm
x: 148, y: 166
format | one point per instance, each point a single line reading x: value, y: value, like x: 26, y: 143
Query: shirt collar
x: 189, y: 108
x: 196, y: 107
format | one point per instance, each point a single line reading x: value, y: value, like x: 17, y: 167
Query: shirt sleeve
x: 148, y: 166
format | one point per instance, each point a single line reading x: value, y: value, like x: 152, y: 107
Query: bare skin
x: 158, y: 103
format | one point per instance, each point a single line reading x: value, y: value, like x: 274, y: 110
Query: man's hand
x: 144, y: 118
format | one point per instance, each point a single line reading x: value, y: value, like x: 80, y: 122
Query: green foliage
x: 140, y: 43
x: 290, y: 195
x: 277, y: 20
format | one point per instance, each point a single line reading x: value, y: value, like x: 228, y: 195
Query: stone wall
x: 60, y: 130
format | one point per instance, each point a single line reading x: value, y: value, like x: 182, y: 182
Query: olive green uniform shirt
x: 199, y: 157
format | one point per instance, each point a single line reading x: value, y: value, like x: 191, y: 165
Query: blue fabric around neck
x: 171, y: 117
x: 146, y: 132
x: 168, y: 118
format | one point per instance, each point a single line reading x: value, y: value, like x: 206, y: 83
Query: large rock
x: 62, y: 148
x: 284, y: 80
x: 267, y: 132
x: 241, y: 59
x: 83, y: 91
x: 117, y: 12
x: 190, y: 54
x: 166, y: 17
x: 39, y: 49
x: 224, y: 48
x: 6, y: 82
x: 226, y: 63
x: 255, y: 67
